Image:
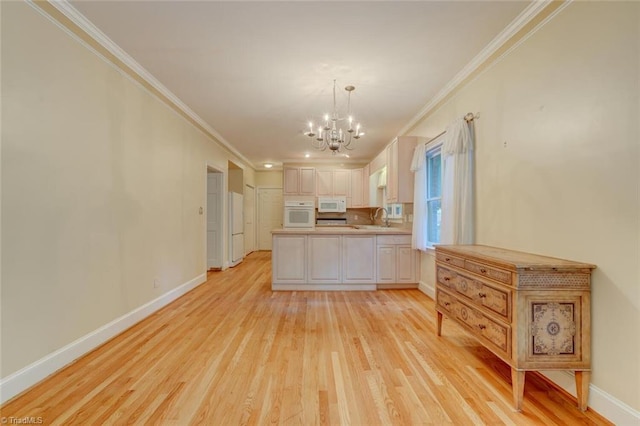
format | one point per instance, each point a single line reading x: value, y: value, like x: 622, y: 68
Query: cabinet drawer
x: 393, y: 239
x: 446, y: 277
x: 488, y: 271
x: 445, y: 301
x: 496, y: 334
x: 450, y: 260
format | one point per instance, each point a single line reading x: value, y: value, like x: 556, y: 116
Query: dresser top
x: 510, y: 259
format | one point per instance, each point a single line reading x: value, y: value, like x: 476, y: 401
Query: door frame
x: 222, y: 203
x: 253, y: 189
x: 259, y: 213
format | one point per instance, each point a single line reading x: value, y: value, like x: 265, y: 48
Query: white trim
x: 600, y: 401
x: 516, y: 25
x: 323, y: 287
x: 33, y: 373
x: 92, y: 31
x: 427, y: 289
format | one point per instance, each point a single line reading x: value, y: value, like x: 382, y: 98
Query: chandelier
x: 336, y: 132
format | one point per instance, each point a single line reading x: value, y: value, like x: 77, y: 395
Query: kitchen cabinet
x: 299, y: 181
x: 333, y: 183
x: 531, y: 311
x: 342, y: 259
x: 324, y: 259
x: 289, y: 259
x: 399, y: 176
x: 359, y: 259
x: 365, y: 187
x: 357, y: 188
x: 397, y: 262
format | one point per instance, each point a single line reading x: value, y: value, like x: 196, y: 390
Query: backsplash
x: 362, y: 216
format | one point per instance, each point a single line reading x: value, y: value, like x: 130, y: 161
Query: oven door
x: 299, y: 217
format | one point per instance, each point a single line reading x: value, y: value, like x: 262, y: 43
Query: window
x: 434, y: 194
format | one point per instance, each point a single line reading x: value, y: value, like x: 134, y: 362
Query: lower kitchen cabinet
x: 321, y: 260
x: 288, y: 260
x: 325, y: 259
x: 359, y: 258
x: 396, y: 262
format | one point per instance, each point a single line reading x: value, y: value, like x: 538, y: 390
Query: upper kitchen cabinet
x: 360, y: 187
x: 399, y: 176
x: 333, y: 183
x: 299, y: 181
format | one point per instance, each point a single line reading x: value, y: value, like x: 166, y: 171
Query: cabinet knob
x: 482, y: 295
x: 446, y: 259
x: 482, y: 326
x: 484, y: 271
x: 447, y: 279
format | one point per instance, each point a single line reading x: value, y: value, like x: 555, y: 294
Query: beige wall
x: 101, y: 190
x: 557, y: 165
x: 270, y: 179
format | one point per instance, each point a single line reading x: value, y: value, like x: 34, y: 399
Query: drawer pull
x: 484, y: 271
x: 446, y: 303
x: 447, y: 259
x: 447, y: 279
x: 482, y: 326
x: 482, y: 295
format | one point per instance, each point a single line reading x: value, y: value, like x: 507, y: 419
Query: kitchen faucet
x: 386, y: 215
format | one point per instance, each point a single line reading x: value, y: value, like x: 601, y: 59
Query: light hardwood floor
x: 234, y: 352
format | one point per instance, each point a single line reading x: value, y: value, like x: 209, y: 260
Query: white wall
x: 557, y: 165
x: 101, y: 189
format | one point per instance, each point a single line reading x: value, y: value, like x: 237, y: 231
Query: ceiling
x: 257, y: 72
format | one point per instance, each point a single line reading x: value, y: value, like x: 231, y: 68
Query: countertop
x: 345, y: 229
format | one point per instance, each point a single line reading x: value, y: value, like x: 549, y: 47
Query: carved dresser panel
x: 531, y: 311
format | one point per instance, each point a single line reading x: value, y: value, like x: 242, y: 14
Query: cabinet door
x: 288, y: 258
x: 386, y: 264
x: 291, y: 177
x: 357, y: 186
x: 307, y: 181
x: 359, y: 256
x: 392, y: 172
x: 342, y: 183
x: 324, y: 257
x: 365, y: 186
x: 324, y: 183
x: 405, y: 265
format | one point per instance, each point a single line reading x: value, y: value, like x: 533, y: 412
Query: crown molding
x: 86, y: 26
x: 512, y: 34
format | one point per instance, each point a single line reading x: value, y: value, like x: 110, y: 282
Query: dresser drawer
x: 488, y: 271
x: 491, y: 332
x: 479, y: 293
x: 450, y: 260
x: 446, y: 277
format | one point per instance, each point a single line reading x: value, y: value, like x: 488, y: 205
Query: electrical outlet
x: 156, y: 284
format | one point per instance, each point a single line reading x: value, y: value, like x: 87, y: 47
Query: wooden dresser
x: 531, y: 311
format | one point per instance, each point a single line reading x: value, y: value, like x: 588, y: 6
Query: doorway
x: 215, y: 236
x: 249, y: 219
x: 270, y: 215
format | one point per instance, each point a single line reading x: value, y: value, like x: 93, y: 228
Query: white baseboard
x: 427, y: 289
x: 599, y: 401
x: 28, y: 376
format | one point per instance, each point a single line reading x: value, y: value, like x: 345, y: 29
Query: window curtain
x: 419, y: 167
x: 457, y: 184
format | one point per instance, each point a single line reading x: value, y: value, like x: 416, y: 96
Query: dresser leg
x: 582, y: 388
x: 517, y: 384
x: 439, y: 323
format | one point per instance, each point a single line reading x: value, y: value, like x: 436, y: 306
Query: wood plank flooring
x: 232, y: 352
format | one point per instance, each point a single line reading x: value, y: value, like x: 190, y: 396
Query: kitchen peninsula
x: 361, y: 257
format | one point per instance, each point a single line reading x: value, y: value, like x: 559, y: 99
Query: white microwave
x: 332, y: 205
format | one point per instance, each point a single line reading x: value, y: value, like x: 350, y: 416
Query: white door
x: 249, y: 219
x: 214, y: 220
x: 270, y: 215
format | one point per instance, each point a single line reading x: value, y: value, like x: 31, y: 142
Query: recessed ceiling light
x: 307, y: 155
x: 347, y: 155
x: 268, y: 165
